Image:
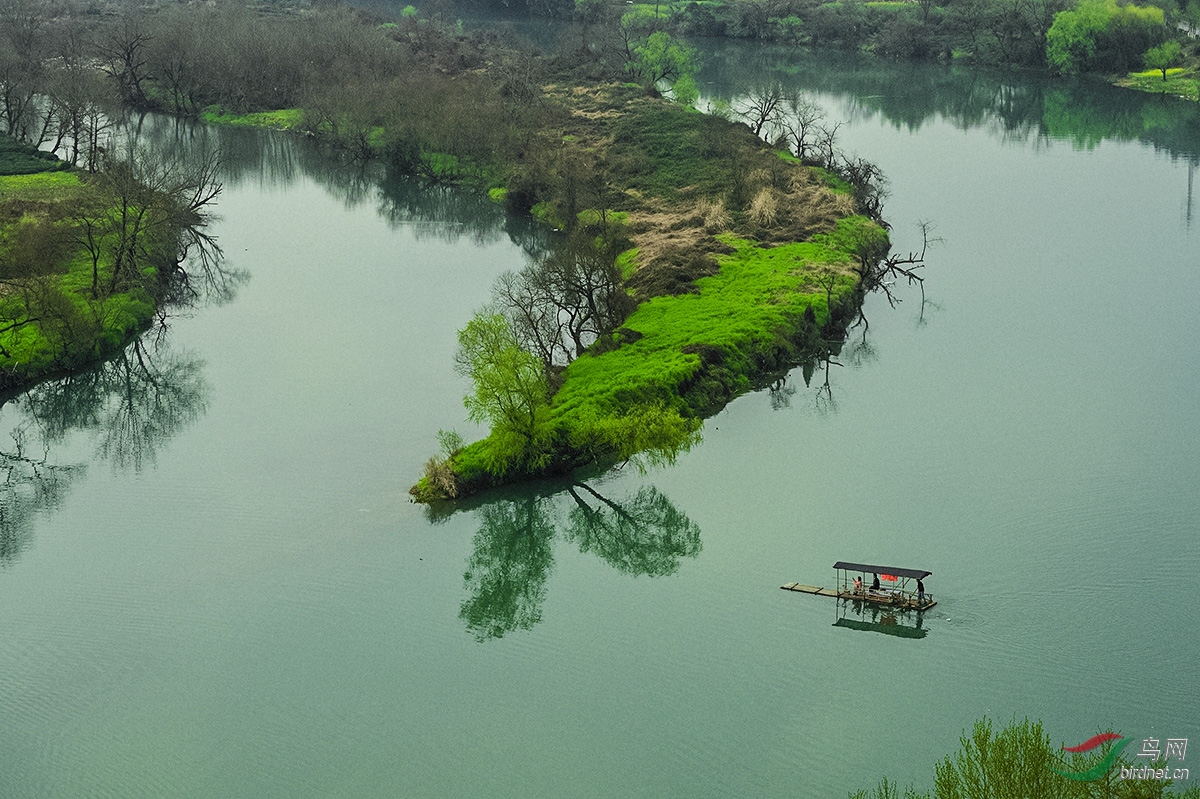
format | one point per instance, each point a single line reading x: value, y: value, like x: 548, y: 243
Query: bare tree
x: 880, y: 270
x: 868, y: 184
x: 148, y: 210
x: 763, y: 109
x: 561, y: 304
x: 532, y: 315
x: 801, y: 122
x: 23, y: 39
x: 826, y: 151
x: 125, y: 58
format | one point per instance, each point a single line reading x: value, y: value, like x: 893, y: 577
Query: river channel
x: 212, y: 582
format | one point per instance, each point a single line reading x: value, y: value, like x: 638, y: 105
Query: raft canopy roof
x: 918, y: 574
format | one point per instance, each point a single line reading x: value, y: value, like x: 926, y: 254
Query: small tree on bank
x: 1163, y: 57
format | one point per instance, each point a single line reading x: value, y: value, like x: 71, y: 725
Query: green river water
x: 212, y: 583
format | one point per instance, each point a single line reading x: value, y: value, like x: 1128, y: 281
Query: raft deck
x: 891, y: 600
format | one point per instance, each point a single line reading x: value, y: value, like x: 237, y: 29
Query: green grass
x: 38, y: 187
x: 681, y: 357
x: 758, y: 295
x: 445, y: 165
x: 627, y: 263
x: 832, y: 181
x: 282, y: 119
x: 1181, y: 81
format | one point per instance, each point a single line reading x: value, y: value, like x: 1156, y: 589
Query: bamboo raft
x: 882, y: 598
x: 896, y: 596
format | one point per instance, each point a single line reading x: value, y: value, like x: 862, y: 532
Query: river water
x: 212, y: 582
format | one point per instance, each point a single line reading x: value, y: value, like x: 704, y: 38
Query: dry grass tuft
x: 714, y: 215
x: 441, y: 476
x: 764, y: 208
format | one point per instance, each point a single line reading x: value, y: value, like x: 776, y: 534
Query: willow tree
x: 510, y: 391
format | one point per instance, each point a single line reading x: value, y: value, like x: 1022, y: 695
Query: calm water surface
x: 212, y: 582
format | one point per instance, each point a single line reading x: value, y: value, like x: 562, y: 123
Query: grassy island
x: 733, y: 261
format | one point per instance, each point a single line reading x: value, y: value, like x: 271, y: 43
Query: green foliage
x: 1101, y: 35
x: 450, y: 441
x: 1163, y: 57
x: 685, y: 92
x: 661, y: 58
x: 652, y: 434
x: 1019, y: 762
x: 1014, y: 764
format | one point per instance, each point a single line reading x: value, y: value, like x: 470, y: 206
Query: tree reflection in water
x: 31, y: 485
x: 507, y: 573
x: 645, y: 534
x: 130, y: 405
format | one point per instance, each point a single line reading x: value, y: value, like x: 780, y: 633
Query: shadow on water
x: 641, y: 533
x: 129, y: 406
x: 438, y: 211
x: 869, y: 617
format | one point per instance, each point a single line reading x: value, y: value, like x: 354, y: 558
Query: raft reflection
x: 869, y: 617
